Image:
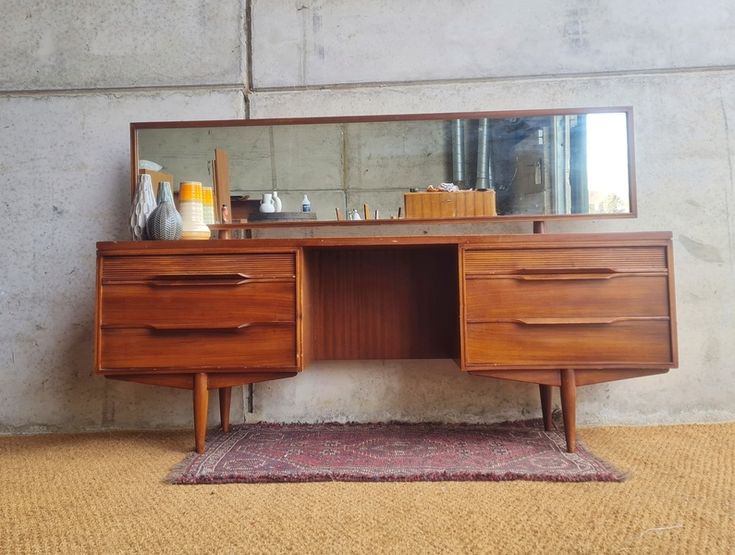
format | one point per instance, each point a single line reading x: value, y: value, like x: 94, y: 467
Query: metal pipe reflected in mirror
x: 484, y: 170
x: 458, y: 158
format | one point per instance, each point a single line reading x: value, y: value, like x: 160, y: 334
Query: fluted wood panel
x: 614, y: 258
x: 383, y: 303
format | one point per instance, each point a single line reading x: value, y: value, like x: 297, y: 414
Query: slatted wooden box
x: 461, y: 204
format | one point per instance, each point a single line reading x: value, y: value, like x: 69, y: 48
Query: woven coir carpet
x: 390, y: 452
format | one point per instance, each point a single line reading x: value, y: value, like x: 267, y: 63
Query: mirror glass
x: 535, y: 164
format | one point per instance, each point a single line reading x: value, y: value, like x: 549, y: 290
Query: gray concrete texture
x: 64, y: 162
x: 323, y: 42
x: 129, y: 43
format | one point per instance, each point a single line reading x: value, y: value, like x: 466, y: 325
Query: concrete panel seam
x: 218, y: 87
x: 728, y: 190
x: 248, y: 38
x: 499, y: 79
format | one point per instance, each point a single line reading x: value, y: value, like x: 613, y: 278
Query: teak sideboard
x: 552, y: 309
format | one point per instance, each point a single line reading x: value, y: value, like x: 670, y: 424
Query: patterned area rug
x: 390, y: 452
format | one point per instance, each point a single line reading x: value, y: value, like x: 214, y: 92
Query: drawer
x: 252, y: 265
x: 532, y: 343
x: 259, y: 346
x: 198, y: 302
x: 566, y: 295
x: 620, y: 259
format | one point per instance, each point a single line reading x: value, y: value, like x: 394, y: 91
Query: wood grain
x: 201, y: 401
x: 383, y: 303
x: 509, y: 297
x: 545, y: 393
x: 225, y: 399
x: 139, y: 268
x: 629, y: 342
x: 223, y: 303
x: 615, y: 259
x: 461, y: 204
x: 266, y: 345
x: 569, y: 408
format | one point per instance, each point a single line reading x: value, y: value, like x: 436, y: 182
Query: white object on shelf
x: 148, y: 165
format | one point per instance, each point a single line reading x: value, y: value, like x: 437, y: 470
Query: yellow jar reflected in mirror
x: 192, y: 212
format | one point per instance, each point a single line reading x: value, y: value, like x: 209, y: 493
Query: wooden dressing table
x: 559, y: 310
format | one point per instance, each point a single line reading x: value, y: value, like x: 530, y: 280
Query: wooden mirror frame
x: 540, y: 218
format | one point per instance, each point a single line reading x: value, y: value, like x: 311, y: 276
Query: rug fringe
x: 178, y: 471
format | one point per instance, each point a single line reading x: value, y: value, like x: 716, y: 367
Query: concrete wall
x: 71, y: 80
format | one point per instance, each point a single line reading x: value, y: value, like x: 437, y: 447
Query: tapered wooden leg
x: 225, y: 395
x: 569, y: 408
x: 201, y: 399
x: 545, y: 391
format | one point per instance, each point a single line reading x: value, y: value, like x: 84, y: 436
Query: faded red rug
x: 390, y: 452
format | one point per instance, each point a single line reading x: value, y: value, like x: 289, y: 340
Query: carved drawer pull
x: 565, y: 277
x: 557, y: 274
x: 200, y: 327
x: 564, y: 274
x: 578, y: 321
x: 232, y: 280
x: 213, y: 326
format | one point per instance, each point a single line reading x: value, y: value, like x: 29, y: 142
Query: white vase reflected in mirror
x: 266, y: 204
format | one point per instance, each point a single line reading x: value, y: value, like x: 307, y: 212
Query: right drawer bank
x: 559, y: 306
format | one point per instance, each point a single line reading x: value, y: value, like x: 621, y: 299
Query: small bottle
x: 306, y: 204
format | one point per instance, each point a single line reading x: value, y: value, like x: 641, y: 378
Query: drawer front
x: 533, y: 343
x: 255, y: 265
x: 566, y: 295
x: 210, y: 301
x: 630, y: 259
x: 260, y: 346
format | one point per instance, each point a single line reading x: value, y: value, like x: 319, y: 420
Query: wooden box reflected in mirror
x: 535, y: 165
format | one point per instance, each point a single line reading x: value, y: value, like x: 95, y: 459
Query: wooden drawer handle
x: 557, y: 274
x: 231, y: 280
x: 569, y: 274
x: 578, y: 321
x: 199, y: 327
x: 214, y: 326
x: 564, y: 277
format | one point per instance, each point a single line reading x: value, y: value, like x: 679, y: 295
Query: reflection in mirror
x: 532, y: 165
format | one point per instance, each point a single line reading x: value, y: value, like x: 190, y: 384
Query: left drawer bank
x: 197, y: 318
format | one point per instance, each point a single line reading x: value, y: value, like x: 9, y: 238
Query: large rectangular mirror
x: 525, y: 165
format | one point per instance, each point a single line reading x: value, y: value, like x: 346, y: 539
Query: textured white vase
x: 277, y: 203
x: 143, y: 204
